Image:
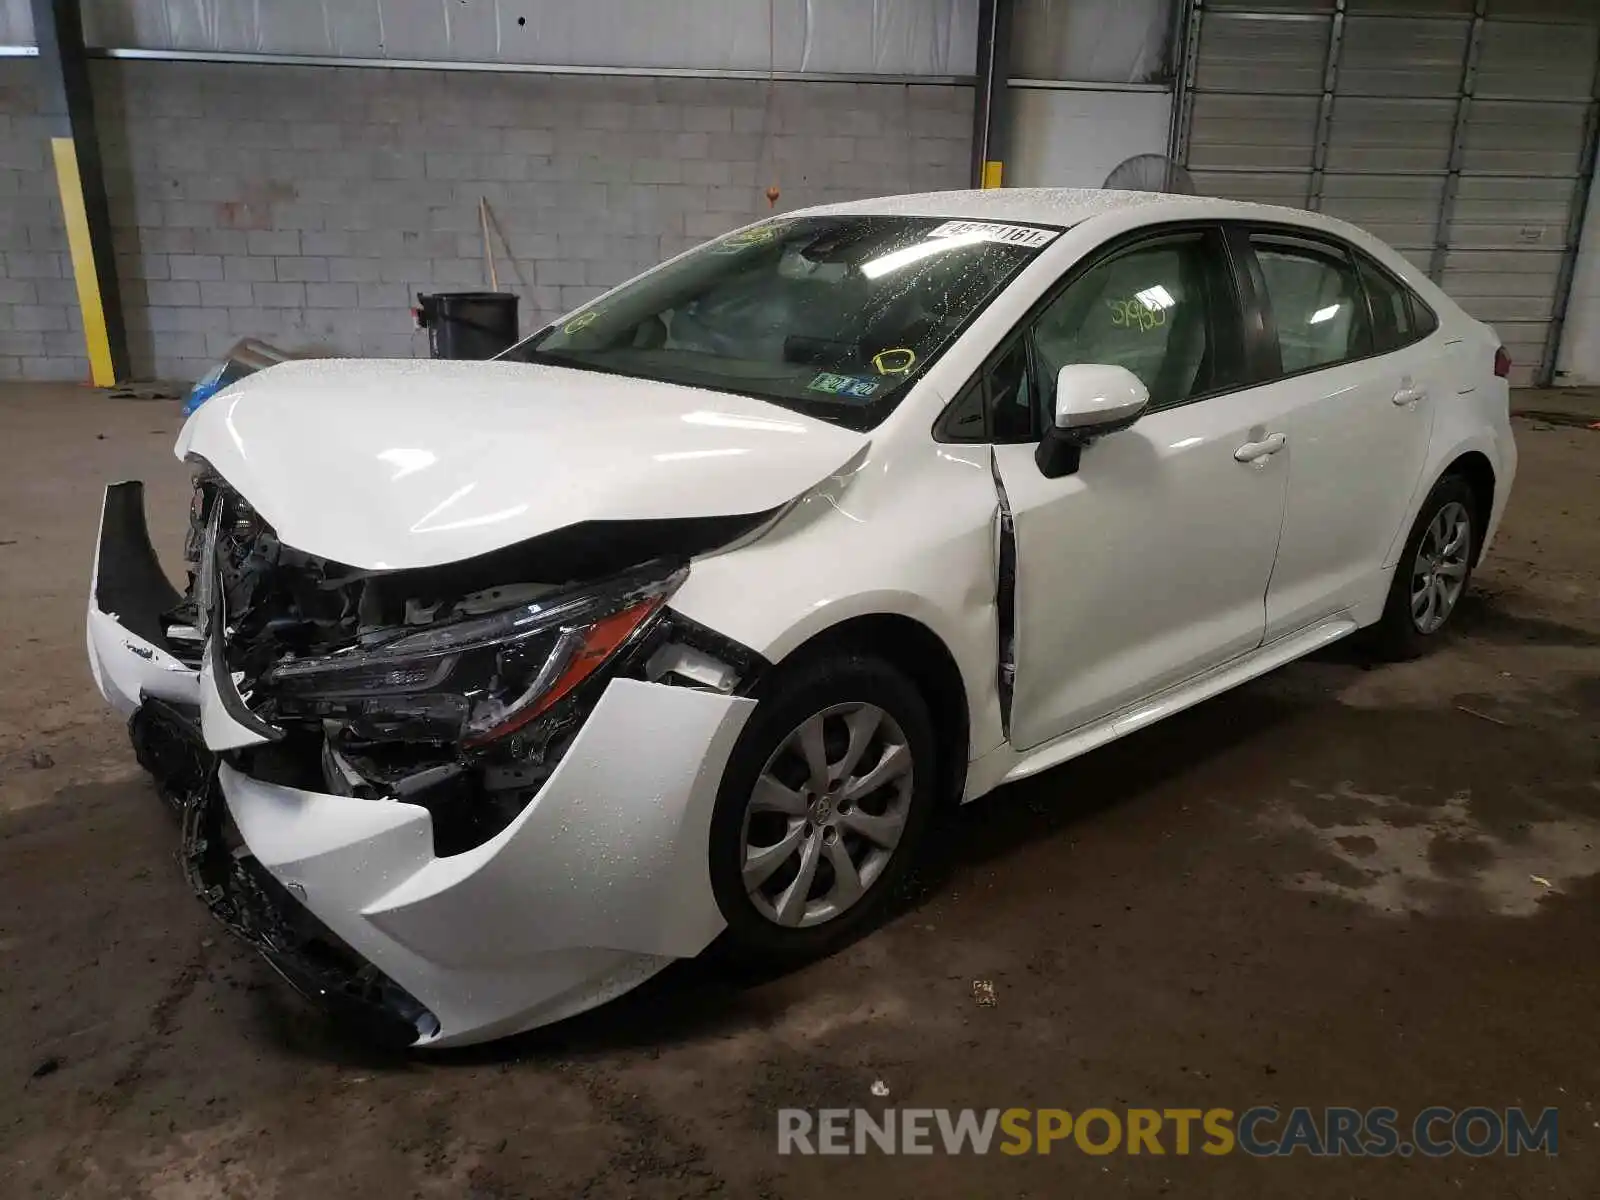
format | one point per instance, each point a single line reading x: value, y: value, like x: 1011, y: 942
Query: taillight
x: 1502, y: 363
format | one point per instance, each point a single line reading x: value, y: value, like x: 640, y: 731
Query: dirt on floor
x: 1339, y: 885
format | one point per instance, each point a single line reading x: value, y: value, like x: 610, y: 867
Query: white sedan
x: 500, y: 685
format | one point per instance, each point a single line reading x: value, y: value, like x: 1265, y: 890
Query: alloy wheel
x: 1439, y: 573
x: 826, y: 814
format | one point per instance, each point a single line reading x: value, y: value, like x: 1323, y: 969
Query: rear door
x: 1150, y: 563
x: 1360, y: 415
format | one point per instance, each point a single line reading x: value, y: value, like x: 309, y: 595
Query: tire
x: 1401, y: 633
x: 770, y: 921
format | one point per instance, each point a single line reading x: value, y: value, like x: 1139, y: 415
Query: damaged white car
x: 499, y: 686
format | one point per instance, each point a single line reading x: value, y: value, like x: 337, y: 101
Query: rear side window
x: 1399, y: 317
x: 1317, y: 303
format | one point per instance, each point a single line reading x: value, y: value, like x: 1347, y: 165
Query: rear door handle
x: 1410, y: 395
x: 1251, y: 451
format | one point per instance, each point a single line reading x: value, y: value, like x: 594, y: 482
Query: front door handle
x: 1251, y: 451
x: 1409, y: 395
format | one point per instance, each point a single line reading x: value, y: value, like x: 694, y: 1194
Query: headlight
x: 477, y: 679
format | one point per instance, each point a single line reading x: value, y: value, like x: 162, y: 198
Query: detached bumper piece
x: 134, y: 650
x: 244, y: 896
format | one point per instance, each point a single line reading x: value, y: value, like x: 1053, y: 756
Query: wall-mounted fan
x: 1150, y: 173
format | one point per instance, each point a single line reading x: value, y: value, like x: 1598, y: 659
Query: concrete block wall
x: 41, y: 330
x: 309, y: 205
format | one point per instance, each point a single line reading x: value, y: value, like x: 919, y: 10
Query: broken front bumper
x: 129, y: 651
x: 595, y: 886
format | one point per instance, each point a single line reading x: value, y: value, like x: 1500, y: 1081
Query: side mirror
x: 1092, y: 400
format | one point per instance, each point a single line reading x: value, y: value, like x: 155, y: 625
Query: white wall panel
x: 892, y: 37
x: 1091, y: 41
x: 1073, y: 138
x: 16, y: 23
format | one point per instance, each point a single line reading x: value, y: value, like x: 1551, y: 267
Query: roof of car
x: 1066, y: 207
x: 1041, y: 206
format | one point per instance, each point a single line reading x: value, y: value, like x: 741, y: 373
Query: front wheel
x: 1432, y: 574
x: 826, y: 795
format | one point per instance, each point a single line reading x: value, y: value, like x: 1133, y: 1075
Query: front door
x: 1150, y: 564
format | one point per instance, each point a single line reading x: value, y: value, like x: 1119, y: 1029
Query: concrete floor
x: 1334, y: 886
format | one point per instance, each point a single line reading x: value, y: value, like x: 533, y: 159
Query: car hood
x: 396, y: 464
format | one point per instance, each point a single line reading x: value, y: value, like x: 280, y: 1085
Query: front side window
x: 1164, y: 309
x: 1157, y: 309
x: 1317, y: 303
x: 830, y: 315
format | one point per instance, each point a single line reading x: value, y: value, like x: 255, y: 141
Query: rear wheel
x: 825, y: 798
x: 1432, y: 574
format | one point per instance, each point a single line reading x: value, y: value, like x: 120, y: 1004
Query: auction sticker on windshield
x: 849, y: 386
x: 1012, y: 235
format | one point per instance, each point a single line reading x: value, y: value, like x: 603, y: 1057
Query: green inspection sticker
x: 851, y: 387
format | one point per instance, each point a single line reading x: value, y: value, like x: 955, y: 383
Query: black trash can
x: 468, y: 324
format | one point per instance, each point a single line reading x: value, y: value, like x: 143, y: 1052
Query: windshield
x: 834, y: 316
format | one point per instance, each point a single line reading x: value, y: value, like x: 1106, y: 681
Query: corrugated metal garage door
x: 1457, y: 130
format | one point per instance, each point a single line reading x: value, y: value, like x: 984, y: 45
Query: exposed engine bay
x: 459, y: 687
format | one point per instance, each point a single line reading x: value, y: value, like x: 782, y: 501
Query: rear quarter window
x: 1399, y: 316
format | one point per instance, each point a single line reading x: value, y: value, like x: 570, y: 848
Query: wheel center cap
x: 822, y: 810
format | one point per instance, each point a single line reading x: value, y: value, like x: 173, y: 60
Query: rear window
x: 834, y: 316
